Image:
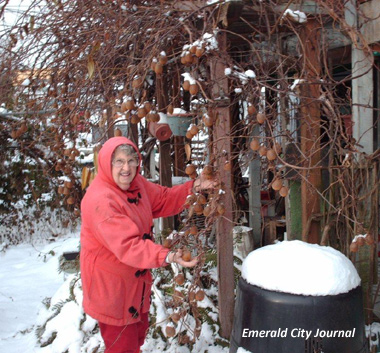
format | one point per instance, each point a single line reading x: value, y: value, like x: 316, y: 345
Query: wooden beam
x: 166, y: 176
x: 222, y: 149
x: 165, y: 163
x: 255, y: 196
x: 310, y: 131
x: 110, y: 122
x: 376, y: 103
x: 133, y: 133
x: 179, y: 156
x: 179, y: 141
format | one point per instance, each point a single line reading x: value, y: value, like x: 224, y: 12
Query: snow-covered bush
x: 29, y: 203
x: 34, y: 224
x: 64, y: 326
x: 33, y: 170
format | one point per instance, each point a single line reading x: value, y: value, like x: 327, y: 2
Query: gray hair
x: 127, y: 149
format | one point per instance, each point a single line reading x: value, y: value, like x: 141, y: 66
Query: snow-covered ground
x: 28, y: 274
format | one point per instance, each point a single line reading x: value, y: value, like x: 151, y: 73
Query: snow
x: 296, y: 83
x: 178, y: 111
x: 296, y: 16
x: 243, y: 77
x: 66, y: 325
x: 250, y: 74
x: 373, y: 331
x: 208, y: 42
x: 241, y: 229
x: 28, y: 275
x: 359, y: 236
x: 242, y: 350
x: 163, y: 118
x: 188, y: 77
x: 300, y: 268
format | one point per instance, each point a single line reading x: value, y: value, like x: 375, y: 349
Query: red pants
x: 125, y: 339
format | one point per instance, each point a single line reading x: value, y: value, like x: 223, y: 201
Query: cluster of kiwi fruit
x: 361, y: 240
x: 270, y: 152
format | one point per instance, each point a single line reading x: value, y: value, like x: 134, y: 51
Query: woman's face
x: 124, y: 169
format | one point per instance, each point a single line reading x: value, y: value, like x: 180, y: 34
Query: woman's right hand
x: 176, y: 257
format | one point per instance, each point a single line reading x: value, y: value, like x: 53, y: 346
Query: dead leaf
x: 86, y: 176
x: 90, y: 67
x: 96, y: 47
x: 223, y: 14
x: 92, y: 177
x: 188, y: 152
x: 31, y: 23
x: 96, y: 161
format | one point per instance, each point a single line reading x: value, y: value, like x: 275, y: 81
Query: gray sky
x: 13, y: 11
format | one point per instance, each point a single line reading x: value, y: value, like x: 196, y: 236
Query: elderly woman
x: 117, y: 247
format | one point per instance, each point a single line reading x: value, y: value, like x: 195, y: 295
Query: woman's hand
x: 176, y: 257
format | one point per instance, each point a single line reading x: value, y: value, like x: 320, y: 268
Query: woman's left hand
x: 176, y: 257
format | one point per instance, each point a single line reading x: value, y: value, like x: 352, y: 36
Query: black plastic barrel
x: 275, y: 322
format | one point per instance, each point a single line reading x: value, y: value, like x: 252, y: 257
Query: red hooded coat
x: 117, y: 248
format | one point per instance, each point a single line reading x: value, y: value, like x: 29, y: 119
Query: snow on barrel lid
x: 301, y: 268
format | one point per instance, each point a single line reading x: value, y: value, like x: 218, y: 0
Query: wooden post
x: 377, y: 102
x: 255, y: 196
x: 165, y: 163
x: 310, y: 131
x: 222, y: 142
x: 133, y: 133
x: 179, y: 156
x: 179, y: 141
x: 164, y: 149
x: 109, y: 122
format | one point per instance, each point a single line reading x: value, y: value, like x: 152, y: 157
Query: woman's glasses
x: 118, y: 163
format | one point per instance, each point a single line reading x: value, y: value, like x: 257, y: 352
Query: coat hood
x: 105, y: 159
